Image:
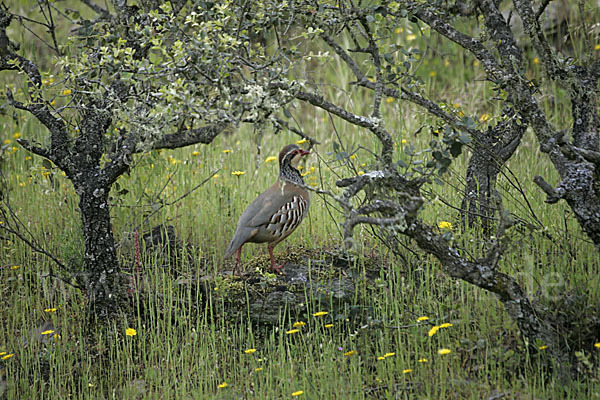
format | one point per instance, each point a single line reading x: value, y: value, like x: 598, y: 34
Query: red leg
x: 274, y: 267
x: 238, y: 262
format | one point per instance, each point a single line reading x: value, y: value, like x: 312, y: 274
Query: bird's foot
x: 277, y: 268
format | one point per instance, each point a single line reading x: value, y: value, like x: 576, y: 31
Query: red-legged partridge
x: 275, y: 213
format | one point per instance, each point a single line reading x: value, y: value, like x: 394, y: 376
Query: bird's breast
x: 288, y: 216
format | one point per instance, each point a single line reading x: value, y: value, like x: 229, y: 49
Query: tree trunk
x: 101, y: 279
x: 491, y: 151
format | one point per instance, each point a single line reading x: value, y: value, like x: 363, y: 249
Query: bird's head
x: 291, y: 155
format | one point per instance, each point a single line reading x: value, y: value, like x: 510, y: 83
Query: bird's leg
x: 238, y: 262
x: 274, y: 267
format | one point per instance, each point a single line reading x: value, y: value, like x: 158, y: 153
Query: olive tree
x: 130, y: 79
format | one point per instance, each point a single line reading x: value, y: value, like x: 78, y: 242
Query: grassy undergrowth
x: 378, y: 347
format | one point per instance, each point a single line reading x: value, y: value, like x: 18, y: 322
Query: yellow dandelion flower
x: 15, y: 267
x: 226, y: 151
x: 443, y: 352
x: 66, y: 92
x: 56, y: 336
x: 484, y: 117
x: 422, y: 360
x: 361, y: 173
x: 328, y: 326
x: 445, y: 225
x: 258, y: 369
x: 250, y: 351
x: 597, y: 47
x: 298, y: 393
x: 543, y: 347
x: 222, y: 385
x: 403, y: 141
x: 411, y: 37
x: 16, y: 135
x: 476, y: 63
x: 381, y: 358
x: 130, y: 332
x: 6, y: 357
x: 433, y: 331
x: 536, y: 60
x: 299, y: 324
x: 406, y: 371
x: 391, y: 354
x: 423, y: 318
x: 446, y: 325
x: 292, y: 331
x: 195, y: 153
x: 399, y: 30
x: 27, y: 158
x: 432, y: 74
x: 320, y: 313
x: 7, y: 141
x: 48, y: 332
x: 597, y: 345
x: 389, y: 100
x: 271, y: 159
x: 50, y: 310
x: 53, y: 102
x: 238, y: 173
x: 350, y: 353
x: 301, y: 141
x: 215, y: 176
x: 2, y: 353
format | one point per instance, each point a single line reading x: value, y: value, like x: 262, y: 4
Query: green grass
x: 187, y: 345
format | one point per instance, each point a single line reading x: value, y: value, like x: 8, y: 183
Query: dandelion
x: 48, y: 332
x: 389, y: 100
x: 445, y: 225
x: 215, y: 176
x: 361, y: 173
x: 350, y: 353
x: 222, y: 385
x: 399, y: 30
x: 298, y: 393
x: 328, y: 326
x: 386, y: 355
x: 250, y: 351
x: 16, y: 135
x: 238, y: 173
x: 406, y: 371
x: 130, y: 332
x: 543, y: 347
x: 411, y: 37
x: 292, y: 331
x: 320, y: 313
x: 423, y: 318
x: 476, y: 63
x: 66, y: 92
x: 226, y: 151
x: 536, y: 60
x: 597, y: 345
x: 27, y: 158
x: 53, y: 102
x: 446, y: 325
x: 422, y: 360
x: 381, y: 358
x: 484, y: 117
x: 443, y: 352
x: 432, y: 74
x: 7, y: 141
x: 50, y: 310
x: 15, y: 267
x: 597, y: 47
x: 6, y: 357
x: 258, y: 369
x: 195, y: 153
x: 433, y: 331
x: 299, y: 324
x: 301, y: 141
x: 270, y: 159
x: 403, y: 141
